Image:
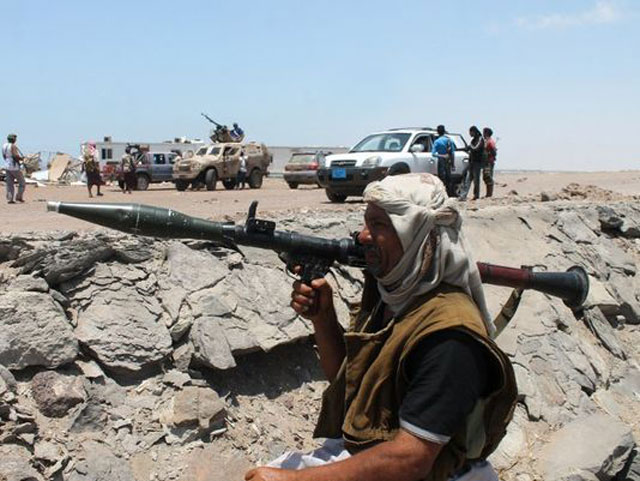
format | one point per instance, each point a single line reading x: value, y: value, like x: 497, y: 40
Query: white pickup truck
x: 396, y: 150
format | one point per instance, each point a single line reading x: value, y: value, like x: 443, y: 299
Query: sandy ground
x: 273, y: 196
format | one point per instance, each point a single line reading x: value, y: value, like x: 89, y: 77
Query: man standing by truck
x: 12, y: 158
x: 490, y: 152
x: 444, y: 150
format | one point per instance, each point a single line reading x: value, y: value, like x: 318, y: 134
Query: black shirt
x: 447, y: 372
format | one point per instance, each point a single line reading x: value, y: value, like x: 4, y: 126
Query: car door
x: 161, y: 168
x: 461, y: 156
x: 423, y: 161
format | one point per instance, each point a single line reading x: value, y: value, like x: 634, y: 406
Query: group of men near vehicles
x: 482, y: 158
x: 134, y: 156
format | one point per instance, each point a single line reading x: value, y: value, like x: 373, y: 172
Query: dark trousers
x: 241, y: 179
x: 487, y: 176
x: 444, y: 172
x: 472, y: 175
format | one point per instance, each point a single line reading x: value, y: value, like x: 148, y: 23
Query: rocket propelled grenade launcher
x: 315, y: 255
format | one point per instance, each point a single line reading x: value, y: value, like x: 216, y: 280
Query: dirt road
x: 273, y: 196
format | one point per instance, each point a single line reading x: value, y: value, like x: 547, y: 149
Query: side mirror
x: 415, y: 148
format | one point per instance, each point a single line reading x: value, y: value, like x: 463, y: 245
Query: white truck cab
x: 391, y: 151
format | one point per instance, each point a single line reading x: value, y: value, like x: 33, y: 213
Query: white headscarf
x: 417, y: 204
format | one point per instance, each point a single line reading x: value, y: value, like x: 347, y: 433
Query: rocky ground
x: 124, y: 358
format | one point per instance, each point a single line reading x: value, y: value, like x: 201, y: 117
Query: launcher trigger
x: 310, y: 267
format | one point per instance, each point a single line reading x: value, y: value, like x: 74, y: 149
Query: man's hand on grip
x: 312, y: 302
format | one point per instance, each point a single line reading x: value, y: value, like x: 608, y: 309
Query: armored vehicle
x: 220, y: 161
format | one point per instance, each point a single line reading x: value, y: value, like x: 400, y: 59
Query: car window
x: 172, y: 158
x: 231, y: 151
x: 459, y: 141
x: 214, y: 151
x: 424, y: 140
x: 158, y: 159
x: 392, y: 142
x: 201, y: 151
x: 302, y: 158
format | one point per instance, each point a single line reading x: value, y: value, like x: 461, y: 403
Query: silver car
x: 302, y: 168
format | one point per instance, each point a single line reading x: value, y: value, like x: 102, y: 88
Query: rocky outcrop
x: 59, y: 265
x: 123, y: 331
x: 593, y: 447
x: 34, y: 331
x: 140, y: 359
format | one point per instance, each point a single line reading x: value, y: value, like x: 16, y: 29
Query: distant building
x: 110, y: 152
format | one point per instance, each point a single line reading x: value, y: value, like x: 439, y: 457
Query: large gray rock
x: 193, y: 270
x: 122, y: 331
x: 626, y: 291
x: 191, y: 413
x: 34, y: 331
x: 55, y: 394
x: 589, y: 448
x: 609, y: 218
x: 134, y: 249
x: 100, y: 464
x: 15, y: 465
x: 571, y: 224
x: 599, y: 325
x: 599, y: 296
x: 616, y: 258
x: 61, y: 263
x: 210, y: 344
x: 12, y: 247
x: 29, y: 283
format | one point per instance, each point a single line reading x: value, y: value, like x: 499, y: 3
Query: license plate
x: 338, y: 173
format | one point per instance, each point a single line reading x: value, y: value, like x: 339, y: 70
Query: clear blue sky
x: 558, y: 81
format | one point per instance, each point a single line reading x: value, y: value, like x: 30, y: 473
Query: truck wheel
x: 182, y: 184
x: 293, y: 185
x: 398, y: 169
x: 229, y: 184
x: 255, y: 179
x: 457, y: 188
x: 335, y: 198
x: 142, y: 182
x: 210, y: 179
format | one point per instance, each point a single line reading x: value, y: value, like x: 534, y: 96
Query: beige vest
x: 362, y: 404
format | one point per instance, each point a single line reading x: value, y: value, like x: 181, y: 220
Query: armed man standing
x: 444, y: 150
x: 12, y: 158
x: 418, y: 391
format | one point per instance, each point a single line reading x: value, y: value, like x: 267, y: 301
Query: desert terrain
x: 125, y: 358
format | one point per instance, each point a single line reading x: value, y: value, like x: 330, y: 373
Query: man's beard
x: 374, y: 268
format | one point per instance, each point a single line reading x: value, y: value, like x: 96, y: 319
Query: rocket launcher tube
x: 142, y: 220
x: 314, y: 254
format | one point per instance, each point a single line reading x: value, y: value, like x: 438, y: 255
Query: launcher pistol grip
x: 312, y: 267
